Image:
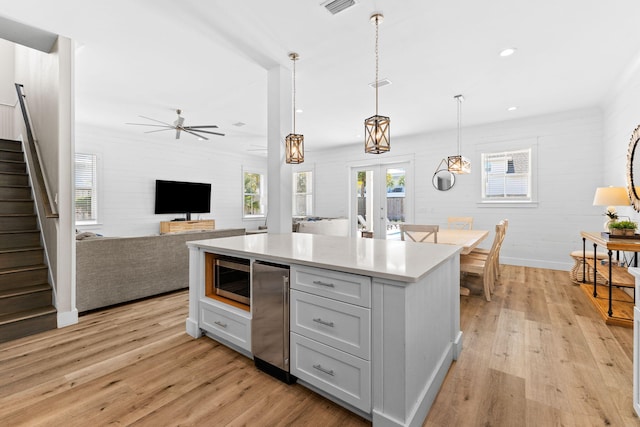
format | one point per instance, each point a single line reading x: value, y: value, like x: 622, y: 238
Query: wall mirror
x: 443, y: 180
x: 633, y: 169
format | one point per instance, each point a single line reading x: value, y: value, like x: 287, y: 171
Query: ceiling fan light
x: 458, y: 164
x: 294, y: 148
x: 376, y: 134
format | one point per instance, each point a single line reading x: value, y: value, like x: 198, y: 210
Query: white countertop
x: 394, y: 260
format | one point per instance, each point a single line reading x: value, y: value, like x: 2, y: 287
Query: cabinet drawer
x: 338, y: 324
x: 227, y: 325
x: 346, y: 287
x: 339, y: 374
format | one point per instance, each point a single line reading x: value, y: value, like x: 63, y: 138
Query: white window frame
x: 262, y: 192
x: 507, y: 148
x: 93, y: 188
x: 310, y: 193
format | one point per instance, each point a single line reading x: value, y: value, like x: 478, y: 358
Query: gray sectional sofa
x: 112, y: 270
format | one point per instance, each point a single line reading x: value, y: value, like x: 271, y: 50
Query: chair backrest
x: 419, y: 232
x: 460, y: 222
x: 501, y: 229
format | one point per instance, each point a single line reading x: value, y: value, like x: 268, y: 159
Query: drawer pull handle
x: 326, y: 371
x: 222, y: 325
x: 323, y: 322
x: 321, y: 283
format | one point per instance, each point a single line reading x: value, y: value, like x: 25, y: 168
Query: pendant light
x: 459, y: 164
x: 376, y: 128
x: 294, y: 142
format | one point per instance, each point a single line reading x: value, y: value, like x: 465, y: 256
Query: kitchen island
x: 375, y: 324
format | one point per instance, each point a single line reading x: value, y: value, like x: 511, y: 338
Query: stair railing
x: 51, y: 211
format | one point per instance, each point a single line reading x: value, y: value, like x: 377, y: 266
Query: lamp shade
x: 611, y: 196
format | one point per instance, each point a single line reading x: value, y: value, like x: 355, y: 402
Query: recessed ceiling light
x: 508, y: 52
x: 299, y: 110
x: 514, y: 108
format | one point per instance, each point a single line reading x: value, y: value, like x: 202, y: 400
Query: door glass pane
x: 395, y: 201
x: 364, y: 197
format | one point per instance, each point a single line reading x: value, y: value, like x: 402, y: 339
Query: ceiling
x: 210, y: 59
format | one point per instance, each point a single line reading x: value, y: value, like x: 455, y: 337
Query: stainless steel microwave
x: 232, y: 279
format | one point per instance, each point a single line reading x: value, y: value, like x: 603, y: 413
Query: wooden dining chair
x: 483, y: 253
x: 460, y: 222
x: 484, y: 267
x: 419, y: 233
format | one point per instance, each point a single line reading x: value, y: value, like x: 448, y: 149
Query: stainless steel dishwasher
x: 270, y: 319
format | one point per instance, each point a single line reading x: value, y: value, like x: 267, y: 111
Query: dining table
x: 468, y: 239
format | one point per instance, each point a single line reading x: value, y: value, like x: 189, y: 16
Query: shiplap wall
x: 128, y: 168
x: 569, y: 168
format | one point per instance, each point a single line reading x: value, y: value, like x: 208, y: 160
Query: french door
x: 380, y: 199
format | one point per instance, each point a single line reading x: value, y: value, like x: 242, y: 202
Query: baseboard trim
x: 67, y: 318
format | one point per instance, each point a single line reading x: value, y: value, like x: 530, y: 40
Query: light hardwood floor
x: 536, y: 355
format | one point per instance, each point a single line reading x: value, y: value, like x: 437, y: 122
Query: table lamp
x: 611, y: 197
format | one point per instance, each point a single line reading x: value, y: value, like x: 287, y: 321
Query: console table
x: 182, y: 226
x: 617, y: 276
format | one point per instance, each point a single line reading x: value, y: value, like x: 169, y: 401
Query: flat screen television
x: 177, y: 197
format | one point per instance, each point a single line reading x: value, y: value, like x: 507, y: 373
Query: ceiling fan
x: 179, y: 127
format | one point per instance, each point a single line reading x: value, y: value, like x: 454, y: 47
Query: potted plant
x: 622, y: 228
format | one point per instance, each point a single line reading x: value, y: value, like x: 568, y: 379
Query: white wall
x: 621, y: 116
x: 569, y: 168
x: 7, y: 89
x: 128, y: 167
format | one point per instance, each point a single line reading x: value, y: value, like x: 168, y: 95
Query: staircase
x: 25, y: 294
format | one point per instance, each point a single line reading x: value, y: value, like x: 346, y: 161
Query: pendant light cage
x: 459, y: 164
x: 377, y: 138
x: 294, y: 143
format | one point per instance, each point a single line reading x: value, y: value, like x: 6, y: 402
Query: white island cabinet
x: 374, y: 324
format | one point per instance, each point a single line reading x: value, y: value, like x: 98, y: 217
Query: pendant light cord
x: 376, y: 80
x: 459, y: 99
x: 294, y: 94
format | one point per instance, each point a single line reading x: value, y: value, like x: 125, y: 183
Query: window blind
x: 85, y: 187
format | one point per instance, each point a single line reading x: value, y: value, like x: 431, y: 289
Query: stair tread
x: 31, y: 230
x: 12, y: 214
x: 14, y: 186
x: 10, y: 270
x: 13, y: 173
x: 25, y: 249
x: 24, y: 290
x: 27, y: 314
x: 16, y: 200
x: 19, y: 150
x: 11, y: 161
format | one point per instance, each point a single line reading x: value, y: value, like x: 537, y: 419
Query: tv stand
x: 181, y: 226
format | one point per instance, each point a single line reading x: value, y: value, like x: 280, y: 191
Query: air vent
x: 381, y: 82
x: 239, y: 124
x: 337, y: 6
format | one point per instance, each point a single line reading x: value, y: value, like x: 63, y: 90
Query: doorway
x: 380, y: 200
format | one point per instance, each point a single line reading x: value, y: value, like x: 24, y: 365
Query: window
x: 302, y: 193
x: 254, y: 200
x: 86, y: 203
x: 506, y: 176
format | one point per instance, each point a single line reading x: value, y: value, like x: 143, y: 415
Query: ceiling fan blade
x: 206, y: 131
x: 201, y: 127
x: 154, y: 120
x: 195, y: 134
x: 178, y: 133
x: 158, y: 130
x: 148, y: 124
